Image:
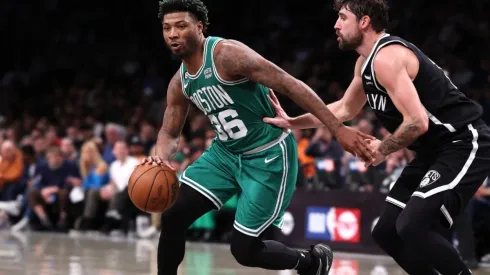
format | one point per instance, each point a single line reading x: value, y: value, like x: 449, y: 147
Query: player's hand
x: 378, y: 156
x: 354, y: 142
x: 156, y: 160
x: 281, y: 119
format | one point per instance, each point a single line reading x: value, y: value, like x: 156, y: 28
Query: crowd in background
x: 83, y: 86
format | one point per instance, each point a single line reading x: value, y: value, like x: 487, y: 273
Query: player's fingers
x: 273, y: 96
x: 157, y: 160
x: 365, y: 136
x: 274, y: 104
x: 365, y: 152
x: 169, y: 165
x: 272, y: 120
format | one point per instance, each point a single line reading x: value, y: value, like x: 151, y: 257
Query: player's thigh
x: 408, y: 181
x: 210, y: 176
x: 267, y: 180
x: 460, y: 169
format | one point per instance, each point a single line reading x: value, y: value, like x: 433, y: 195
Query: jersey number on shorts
x: 233, y: 129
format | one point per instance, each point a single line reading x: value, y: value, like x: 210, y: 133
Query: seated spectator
x: 68, y: 149
x: 28, y: 179
x: 327, y: 153
x: 16, y: 203
x: 137, y: 148
x: 94, y: 172
x: 117, y: 189
x: 11, y: 167
x: 54, y: 177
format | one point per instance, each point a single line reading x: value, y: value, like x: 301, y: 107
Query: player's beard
x: 350, y: 43
x: 189, y: 47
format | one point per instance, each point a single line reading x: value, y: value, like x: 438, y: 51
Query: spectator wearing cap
x: 137, y: 148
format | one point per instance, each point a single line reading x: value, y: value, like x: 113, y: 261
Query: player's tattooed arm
x: 405, y: 135
x: 391, y: 65
x: 173, y: 120
x: 235, y: 60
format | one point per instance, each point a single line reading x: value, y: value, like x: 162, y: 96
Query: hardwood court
x: 52, y: 254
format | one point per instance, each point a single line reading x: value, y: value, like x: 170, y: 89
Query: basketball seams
x: 135, y: 181
x: 151, y: 187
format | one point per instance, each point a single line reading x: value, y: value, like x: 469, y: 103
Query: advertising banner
x: 341, y: 219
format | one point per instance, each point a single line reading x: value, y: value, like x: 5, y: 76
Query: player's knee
x: 175, y: 218
x: 241, y: 255
x: 407, y: 228
x: 244, y: 248
x: 382, y: 231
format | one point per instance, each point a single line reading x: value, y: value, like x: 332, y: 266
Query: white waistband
x: 268, y: 144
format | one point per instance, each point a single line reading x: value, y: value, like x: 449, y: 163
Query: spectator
x: 117, y: 189
x: 54, y: 177
x: 94, y: 172
x: 11, y: 167
x: 137, y: 148
x: 68, y: 150
x: 27, y: 181
x: 327, y: 154
x: 147, y: 136
x: 113, y: 134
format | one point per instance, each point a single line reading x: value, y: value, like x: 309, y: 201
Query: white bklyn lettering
x: 377, y: 102
x: 211, y: 98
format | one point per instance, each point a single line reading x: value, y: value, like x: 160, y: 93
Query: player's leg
x: 385, y: 234
x: 189, y: 206
x: 268, y: 181
x: 443, y: 194
x: 204, y: 186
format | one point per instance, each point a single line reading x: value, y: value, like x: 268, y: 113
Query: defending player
x: 414, y: 99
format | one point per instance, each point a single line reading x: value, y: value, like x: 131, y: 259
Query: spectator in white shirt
x: 119, y: 172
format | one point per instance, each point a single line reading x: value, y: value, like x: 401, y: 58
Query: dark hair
x: 377, y: 10
x: 195, y: 7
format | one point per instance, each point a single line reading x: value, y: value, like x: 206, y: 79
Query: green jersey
x: 235, y: 108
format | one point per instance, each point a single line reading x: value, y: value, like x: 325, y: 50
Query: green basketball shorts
x: 264, y: 181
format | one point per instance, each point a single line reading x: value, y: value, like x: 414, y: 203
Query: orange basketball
x: 153, y: 188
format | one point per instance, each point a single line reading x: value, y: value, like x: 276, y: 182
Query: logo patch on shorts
x: 429, y: 178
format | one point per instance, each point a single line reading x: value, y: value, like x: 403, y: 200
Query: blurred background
x: 83, y: 90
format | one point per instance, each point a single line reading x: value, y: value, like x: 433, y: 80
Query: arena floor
x: 43, y: 254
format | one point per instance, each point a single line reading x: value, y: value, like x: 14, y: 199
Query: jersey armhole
x: 215, y: 71
x: 373, y: 74
x: 181, y: 72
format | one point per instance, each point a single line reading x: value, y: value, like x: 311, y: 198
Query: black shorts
x: 457, y: 168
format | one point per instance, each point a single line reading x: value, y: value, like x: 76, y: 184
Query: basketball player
x: 230, y: 83
x: 424, y: 111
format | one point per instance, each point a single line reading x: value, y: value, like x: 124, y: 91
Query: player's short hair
x: 194, y: 7
x: 377, y: 10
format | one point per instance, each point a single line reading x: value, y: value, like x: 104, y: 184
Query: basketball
x: 153, y: 188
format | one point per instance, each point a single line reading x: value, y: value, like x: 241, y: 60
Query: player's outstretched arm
x: 173, y: 122
x: 391, y: 72
x: 344, y: 109
x: 236, y: 60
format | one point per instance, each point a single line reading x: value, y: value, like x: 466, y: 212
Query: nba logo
x: 333, y: 224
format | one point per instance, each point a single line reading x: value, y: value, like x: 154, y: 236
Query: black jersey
x: 449, y: 110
